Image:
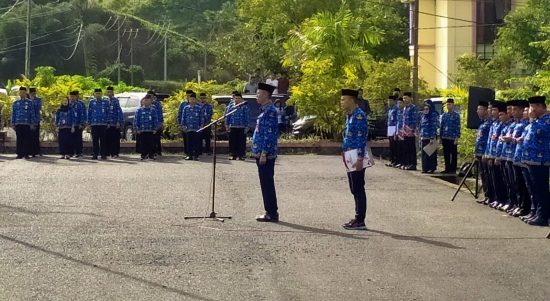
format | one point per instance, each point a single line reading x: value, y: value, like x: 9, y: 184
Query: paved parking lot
x: 114, y: 230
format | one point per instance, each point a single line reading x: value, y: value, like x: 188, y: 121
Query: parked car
x: 303, y: 127
x: 130, y: 102
x: 254, y: 110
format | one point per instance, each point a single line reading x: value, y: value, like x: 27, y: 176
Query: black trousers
x: 266, y: 173
x: 113, y: 141
x: 486, y: 182
x: 146, y: 145
x: 206, y: 141
x: 99, y: 140
x: 356, y: 181
x: 393, y: 150
x: 237, y: 144
x: 400, y: 151
x: 23, y: 146
x: 35, y: 144
x: 429, y: 163
x: 450, y: 152
x: 185, y: 144
x: 65, y: 140
x: 76, y: 141
x: 540, y: 195
x: 511, y: 184
x: 157, y: 145
x: 193, y: 140
x: 522, y: 194
x: 498, y: 182
x: 410, y: 151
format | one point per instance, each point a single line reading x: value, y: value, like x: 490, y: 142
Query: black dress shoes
x: 266, y: 218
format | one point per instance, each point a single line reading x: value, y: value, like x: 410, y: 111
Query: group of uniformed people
x: 513, y: 152
x: 25, y: 120
x: 402, y: 121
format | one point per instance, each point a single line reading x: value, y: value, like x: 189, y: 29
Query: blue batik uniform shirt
x: 355, y: 133
x: 207, y: 112
x: 519, y: 131
x: 79, y: 112
x: 409, y: 120
x: 266, y: 133
x: 157, y: 105
x: 182, y: 106
x: 37, y: 104
x: 64, y: 119
x: 192, y: 118
x: 98, y: 111
x: 392, y: 116
x: 146, y: 119
x: 450, y: 125
x: 23, y: 112
x: 428, y: 125
x: 482, y: 137
x: 536, y: 143
x: 500, y: 145
x: 115, y: 117
x: 240, y: 118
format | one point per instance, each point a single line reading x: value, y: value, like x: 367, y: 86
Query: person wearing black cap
x: 399, y: 137
x: 392, y: 125
x: 191, y: 121
x: 536, y: 155
x: 355, y: 139
x: 238, y: 126
x: 498, y: 112
x: 500, y: 157
x: 65, y: 124
x: 37, y: 104
x: 23, y: 121
x: 481, y: 147
x: 206, y: 135
x: 98, y: 118
x: 79, y: 110
x: 409, y: 132
x: 114, y: 125
x: 450, y: 133
x: 264, y: 149
x: 396, y: 93
x: 182, y: 106
x: 157, y: 136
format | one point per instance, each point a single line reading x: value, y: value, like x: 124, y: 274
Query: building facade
x: 451, y: 28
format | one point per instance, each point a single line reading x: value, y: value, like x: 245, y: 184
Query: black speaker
x: 475, y: 95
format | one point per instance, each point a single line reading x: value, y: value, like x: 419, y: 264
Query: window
x: 489, y: 15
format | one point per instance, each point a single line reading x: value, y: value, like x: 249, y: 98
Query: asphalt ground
x: 115, y: 230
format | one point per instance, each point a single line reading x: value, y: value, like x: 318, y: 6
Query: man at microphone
x: 238, y: 126
x: 264, y: 148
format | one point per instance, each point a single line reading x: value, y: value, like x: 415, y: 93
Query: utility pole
x: 119, y: 51
x: 132, y: 55
x: 28, y: 41
x: 165, y: 56
x: 415, y: 23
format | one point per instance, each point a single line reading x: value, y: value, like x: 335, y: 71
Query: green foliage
x: 472, y: 71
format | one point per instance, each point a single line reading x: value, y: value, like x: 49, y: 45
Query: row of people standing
x: 194, y: 115
x: 513, y: 150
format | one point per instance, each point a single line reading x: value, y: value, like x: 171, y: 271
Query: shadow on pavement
x: 105, y: 269
x: 33, y: 212
x: 323, y: 231
x: 424, y: 240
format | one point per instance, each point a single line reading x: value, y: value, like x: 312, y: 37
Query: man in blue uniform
x: 399, y: 138
x: 429, y: 122
x: 98, y: 118
x: 481, y: 147
x: 115, y: 122
x: 498, y: 112
x: 264, y: 149
x: 37, y: 104
x: 392, y: 124
x: 206, y: 135
x: 409, y: 132
x: 182, y: 106
x: 536, y: 155
x: 157, y: 136
x: 23, y: 121
x: 500, y: 157
x: 238, y: 126
x: 522, y: 194
x: 146, y: 123
x: 355, y: 138
x: 450, y: 133
x: 80, y: 116
x: 191, y: 121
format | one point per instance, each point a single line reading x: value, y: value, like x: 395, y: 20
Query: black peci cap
x: 350, y: 92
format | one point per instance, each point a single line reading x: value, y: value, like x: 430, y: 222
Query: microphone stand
x: 213, y: 215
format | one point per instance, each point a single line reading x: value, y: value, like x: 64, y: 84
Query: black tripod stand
x: 474, y: 167
x: 213, y: 215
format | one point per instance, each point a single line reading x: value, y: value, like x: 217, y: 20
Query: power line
x: 11, y: 8
x: 38, y: 38
x: 76, y: 44
x: 36, y: 45
x: 52, y: 12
